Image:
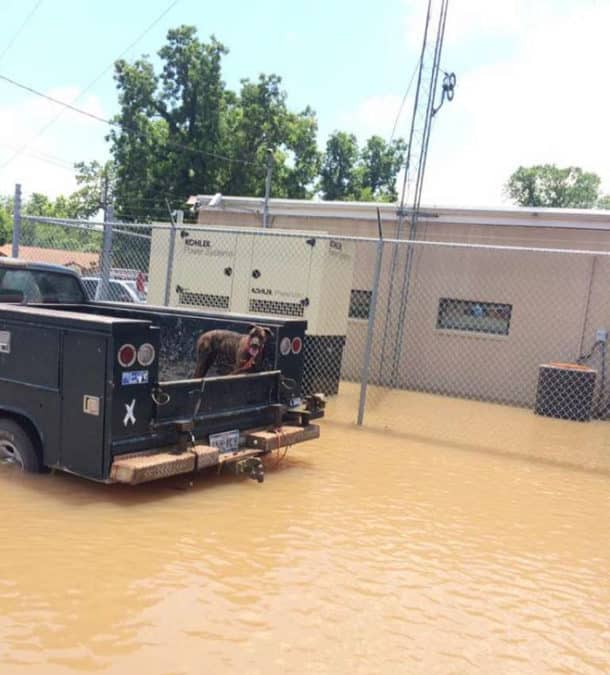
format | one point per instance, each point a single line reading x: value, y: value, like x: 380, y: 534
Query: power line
x: 17, y: 33
x: 404, y: 99
x: 112, y: 123
x: 45, y: 157
x: 53, y: 99
x: 93, y: 82
x: 142, y: 35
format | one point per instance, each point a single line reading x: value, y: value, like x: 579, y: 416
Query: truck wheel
x: 17, y: 448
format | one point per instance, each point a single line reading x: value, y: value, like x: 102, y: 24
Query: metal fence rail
x: 476, y: 321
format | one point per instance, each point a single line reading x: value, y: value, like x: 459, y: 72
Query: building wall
x: 558, y: 302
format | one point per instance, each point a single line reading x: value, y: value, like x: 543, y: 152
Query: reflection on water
x: 447, y: 537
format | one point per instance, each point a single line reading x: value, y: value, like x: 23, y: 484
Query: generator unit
x: 200, y: 273
x: 265, y: 274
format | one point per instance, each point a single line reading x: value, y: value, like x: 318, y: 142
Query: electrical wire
x: 18, y: 32
x: 45, y: 157
x: 142, y: 35
x: 31, y: 90
x: 91, y: 84
x: 404, y: 99
x: 122, y: 127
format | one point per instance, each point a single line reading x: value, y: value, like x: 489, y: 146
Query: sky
x: 531, y: 79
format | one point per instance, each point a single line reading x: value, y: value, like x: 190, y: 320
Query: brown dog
x: 231, y: 353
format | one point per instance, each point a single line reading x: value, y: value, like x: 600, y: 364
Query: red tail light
x: 127, y: 355
x: 297, y: 345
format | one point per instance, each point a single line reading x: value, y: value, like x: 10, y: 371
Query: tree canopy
x: 366, y: 174
x: 181, y: 131
x: 6, y: 226
x: 52, y: 236
x: 604, y: 202
x: 547, y: 185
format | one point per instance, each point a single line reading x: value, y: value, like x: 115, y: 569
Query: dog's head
x: 257, y: 336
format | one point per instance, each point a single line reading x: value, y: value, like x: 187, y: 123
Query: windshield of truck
x: 41, y: 286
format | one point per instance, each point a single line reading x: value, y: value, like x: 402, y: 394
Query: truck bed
x: 61, y: 371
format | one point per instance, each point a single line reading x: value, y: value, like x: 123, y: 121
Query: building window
x: 360, y: 304
x: 474, y: 316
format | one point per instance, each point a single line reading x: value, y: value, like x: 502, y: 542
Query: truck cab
x: 105, y: 389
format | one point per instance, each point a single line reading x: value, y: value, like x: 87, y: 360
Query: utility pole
x: 16, y: 221
x: 401, y: 263
x: 267, y: 187
x: 102, y: 291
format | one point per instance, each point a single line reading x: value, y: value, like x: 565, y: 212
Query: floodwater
x: 446, y: 537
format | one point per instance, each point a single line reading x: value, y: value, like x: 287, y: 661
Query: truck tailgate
x: 221, y: 397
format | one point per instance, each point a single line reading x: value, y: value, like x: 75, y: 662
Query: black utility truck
x: 104, y: 390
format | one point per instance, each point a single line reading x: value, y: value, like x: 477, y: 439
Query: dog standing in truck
x: 230, y: 353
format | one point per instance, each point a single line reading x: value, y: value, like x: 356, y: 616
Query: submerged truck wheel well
x: 28, y: 427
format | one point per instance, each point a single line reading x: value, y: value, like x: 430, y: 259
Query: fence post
x: 170, y: 261
x: 364, y: 377
x: 16, y: 221
x: 267, y: 187
x: 103, y: 288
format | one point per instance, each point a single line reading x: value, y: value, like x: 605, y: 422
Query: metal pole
x: 267, y: 188
x: 421, y: 168
x: 16, y: 221
x: 364, y: 377
x: 170, y: 255
x: 103, y: 288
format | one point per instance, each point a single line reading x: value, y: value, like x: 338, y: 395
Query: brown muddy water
x: 447, y: 537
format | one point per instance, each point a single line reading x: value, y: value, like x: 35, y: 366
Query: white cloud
x: 547, y: 102
x: 373, y: 115
x: 45, y: 163
x: 468, y: 19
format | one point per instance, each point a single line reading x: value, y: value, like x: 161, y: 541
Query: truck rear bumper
x: 144, y: 467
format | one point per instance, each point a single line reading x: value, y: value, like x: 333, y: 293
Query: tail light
x: 297, y: 345
x: 127, y: 355
x: 285, y: 346
x: 146, y: 354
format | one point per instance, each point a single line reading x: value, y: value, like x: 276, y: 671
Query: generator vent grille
x: 203, y: 300
x: 274, y: 307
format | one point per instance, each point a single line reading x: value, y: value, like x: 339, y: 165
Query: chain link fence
x: 510, y: 325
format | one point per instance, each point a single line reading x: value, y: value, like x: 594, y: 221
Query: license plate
x: 227, y: 441
x: 134, y: 377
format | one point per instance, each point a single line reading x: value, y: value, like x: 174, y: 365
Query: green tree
x: 180, y: 131
x: 258, y: 121
x: 47, y: 235
x: 339, y: 178
x: 604, y: 202
x: 360, y: 175
x: 550, y: 186
x: 6, y: 221
x: 96, y: 183
x: 380, y: 163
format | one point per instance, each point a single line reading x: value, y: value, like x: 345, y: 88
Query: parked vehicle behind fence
x: 119, y: 290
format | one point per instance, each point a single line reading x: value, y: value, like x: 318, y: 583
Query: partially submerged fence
x: 463, y: 320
